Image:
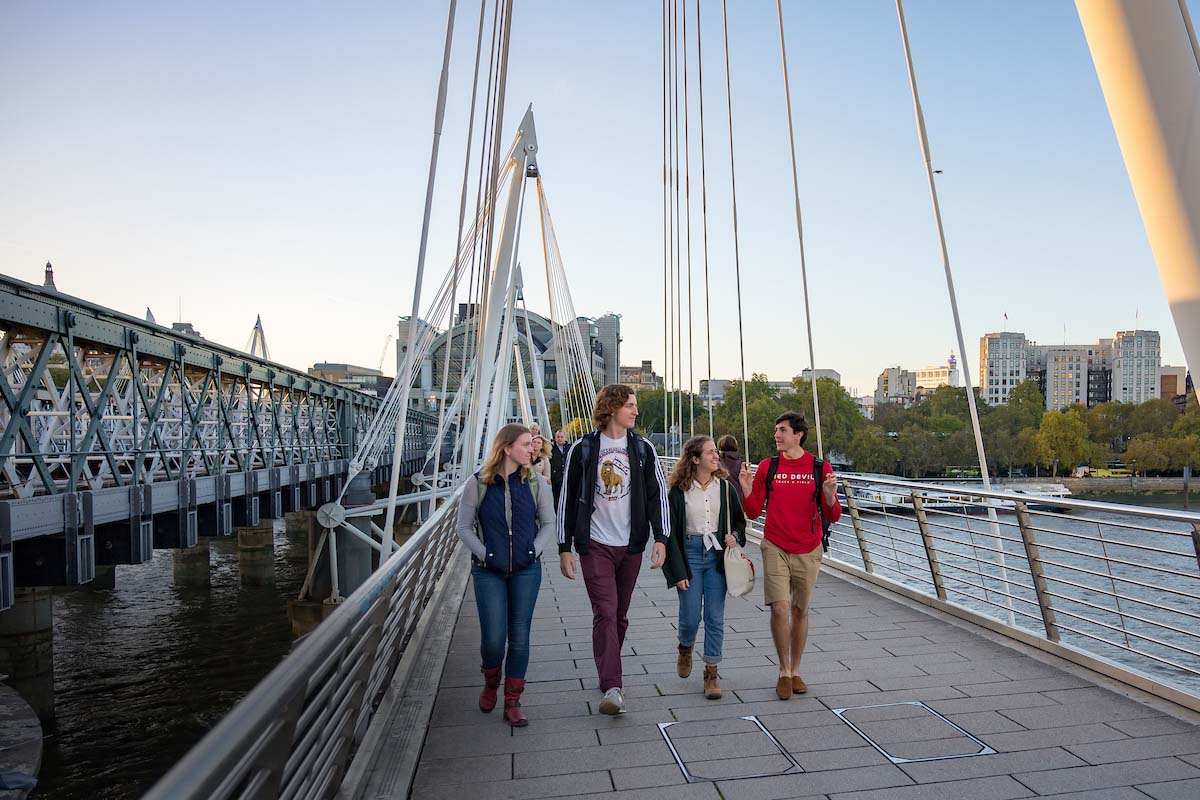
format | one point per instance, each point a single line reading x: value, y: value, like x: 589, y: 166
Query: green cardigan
x: 731, y: 518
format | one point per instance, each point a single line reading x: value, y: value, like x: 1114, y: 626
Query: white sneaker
x: 613, y: 702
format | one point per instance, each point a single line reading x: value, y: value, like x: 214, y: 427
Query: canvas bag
x: 739, y: 569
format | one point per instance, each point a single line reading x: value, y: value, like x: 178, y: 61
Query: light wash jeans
x: 705, y: 594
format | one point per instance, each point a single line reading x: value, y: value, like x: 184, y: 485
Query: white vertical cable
x: 687, y: 198
x: 737, y: 264
x: 812, y: 364
x: 704, y: 215
x: 966, y: 372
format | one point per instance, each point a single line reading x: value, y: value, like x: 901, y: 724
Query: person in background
x: 706, y: 515
x: 731, y: 462
x: 791, y: 545
x: 541, y: 457
x: 613, y: 499
x: 558, y: 461
x: 506, y: 520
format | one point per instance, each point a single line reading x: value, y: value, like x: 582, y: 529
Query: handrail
x: 294, y: 733
x: 893, y: 521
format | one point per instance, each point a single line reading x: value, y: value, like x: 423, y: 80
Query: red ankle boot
x: 491, y: 682
x: 512, y: 702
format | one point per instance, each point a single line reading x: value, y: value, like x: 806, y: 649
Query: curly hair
x: 684, y: 473
x: 608, y: 401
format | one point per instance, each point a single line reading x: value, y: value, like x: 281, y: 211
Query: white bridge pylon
x: 493, y: 336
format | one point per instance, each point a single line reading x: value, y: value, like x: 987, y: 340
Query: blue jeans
x: 505, y: 604
x: 706, y: 590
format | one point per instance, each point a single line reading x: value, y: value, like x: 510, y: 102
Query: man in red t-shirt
x: 791, y: 546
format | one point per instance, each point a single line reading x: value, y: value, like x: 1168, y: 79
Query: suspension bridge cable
x: 812, y: 364
x: 665, y: 176
x: 438, y: 117
x: 501, y: 89
x: 923, y: 137
x: 687, y: 196
x: 737, y: 265
x: 475, y: 291
x: 704, y: 214
x: 678, y: 233
x: 462, y: 213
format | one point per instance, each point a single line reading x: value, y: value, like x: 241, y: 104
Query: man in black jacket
x: 558, y: 461
x: 613, y: 498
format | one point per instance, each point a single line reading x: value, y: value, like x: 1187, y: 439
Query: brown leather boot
x: 712, y: 689
x: 512, y: 702
x: 491, y: 682
x: 684, y: 665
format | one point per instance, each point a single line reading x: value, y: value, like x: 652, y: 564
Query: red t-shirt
x: 792, y: 521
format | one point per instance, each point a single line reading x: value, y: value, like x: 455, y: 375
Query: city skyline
x: 280, y: 172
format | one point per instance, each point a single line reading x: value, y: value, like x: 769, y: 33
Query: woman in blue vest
x: 506, y: 520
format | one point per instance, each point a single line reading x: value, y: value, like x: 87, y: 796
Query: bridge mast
x: 1149, y: 68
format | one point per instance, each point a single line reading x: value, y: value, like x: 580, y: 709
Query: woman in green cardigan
x: 706, y: 516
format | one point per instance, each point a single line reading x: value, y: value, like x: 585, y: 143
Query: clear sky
x: 270, y: 158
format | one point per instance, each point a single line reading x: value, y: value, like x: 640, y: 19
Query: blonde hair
x: 608, y: 401
x: 684, y: 473
x: 506, y: 437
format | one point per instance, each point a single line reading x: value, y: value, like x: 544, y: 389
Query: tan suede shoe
x: 798, y: 686
x: 684, y: 665
x: 783, y: 687
x: 712, y: 689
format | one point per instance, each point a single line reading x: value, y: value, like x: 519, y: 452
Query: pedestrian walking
x: 613, y: 499
x: 506, y: 520
x: 802, y: 493
x: 706, y: 517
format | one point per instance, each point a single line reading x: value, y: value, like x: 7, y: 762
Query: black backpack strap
x: 771, y: 470
x: 818, y: 479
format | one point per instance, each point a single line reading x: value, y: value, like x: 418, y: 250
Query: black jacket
x: 558, y: 460
x: 647, y: 501
x: 730, y: 519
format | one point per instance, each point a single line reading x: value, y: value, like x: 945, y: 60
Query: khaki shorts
x: 789, y: 575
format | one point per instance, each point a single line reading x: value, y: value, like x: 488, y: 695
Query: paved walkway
x: 1055, y: 733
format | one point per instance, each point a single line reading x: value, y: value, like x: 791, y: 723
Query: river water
x: 144, y: 670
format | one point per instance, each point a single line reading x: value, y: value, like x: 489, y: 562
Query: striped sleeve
x: 663, y: 528
x: 562, y: 495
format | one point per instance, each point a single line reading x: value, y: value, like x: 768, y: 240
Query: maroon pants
x: 609, y: 574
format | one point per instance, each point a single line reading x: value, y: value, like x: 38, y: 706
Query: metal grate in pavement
x: 914, y: 728
x: 708, y: 757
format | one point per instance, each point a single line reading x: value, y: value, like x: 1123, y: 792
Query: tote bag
x: 739, y: 569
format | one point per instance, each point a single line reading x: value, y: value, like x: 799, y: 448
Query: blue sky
x: 270, y: 158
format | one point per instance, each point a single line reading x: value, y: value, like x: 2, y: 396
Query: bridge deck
x: 1055, y: 732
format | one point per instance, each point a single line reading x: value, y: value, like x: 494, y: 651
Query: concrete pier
x: 256, y: 555
x: 191, y: 566
x: 306, y: 615
x: 296, y: 523
x: 106, y: 578
x: 27, y: 648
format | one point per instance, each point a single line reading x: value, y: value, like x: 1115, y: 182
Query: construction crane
x: 383, y: 354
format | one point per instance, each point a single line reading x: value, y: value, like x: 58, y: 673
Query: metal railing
x: 1113, y: 587
x: 293, y: 736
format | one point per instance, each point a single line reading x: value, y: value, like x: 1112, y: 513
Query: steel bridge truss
x: 108, y: 419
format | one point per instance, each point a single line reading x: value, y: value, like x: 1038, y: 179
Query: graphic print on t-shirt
x: 611, y: 512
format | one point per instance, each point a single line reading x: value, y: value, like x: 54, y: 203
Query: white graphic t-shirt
x: 611, y: 513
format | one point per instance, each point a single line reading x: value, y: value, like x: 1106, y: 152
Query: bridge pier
x: 106, y: 578
x: 190, y: 566
x: 355, y: 558
x: 27, y: 648
x: 256, y: 555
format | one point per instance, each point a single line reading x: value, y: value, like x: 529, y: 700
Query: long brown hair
x: 505, y: 437
x: 684, y: 473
